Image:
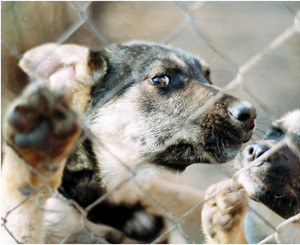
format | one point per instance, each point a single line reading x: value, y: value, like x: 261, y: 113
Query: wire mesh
x: 240, y: 72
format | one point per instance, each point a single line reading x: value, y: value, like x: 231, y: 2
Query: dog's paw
x: 223, y: 213
x: 41, y: 126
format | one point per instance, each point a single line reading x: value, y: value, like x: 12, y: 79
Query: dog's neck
x: 121, y: 165
x: 102, y: 168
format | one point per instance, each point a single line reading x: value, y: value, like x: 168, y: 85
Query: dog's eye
x: 274, y: 133
x: 161, y: 81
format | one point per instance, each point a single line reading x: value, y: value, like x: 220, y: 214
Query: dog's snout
x: 244, y: 113
x: 254, y: 151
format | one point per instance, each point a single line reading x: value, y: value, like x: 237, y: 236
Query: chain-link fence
x: 252, y: 50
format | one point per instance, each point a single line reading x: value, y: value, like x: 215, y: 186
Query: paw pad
x: 41, y: 125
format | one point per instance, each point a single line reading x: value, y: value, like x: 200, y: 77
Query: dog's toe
x: 226, y: 206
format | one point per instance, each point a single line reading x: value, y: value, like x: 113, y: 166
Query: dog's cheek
x: 124, y: 121
x: 118, y: 123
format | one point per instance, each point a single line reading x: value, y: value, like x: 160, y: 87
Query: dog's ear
x: 206, y: 73
x: 70, y: 66
x: 63, y: 65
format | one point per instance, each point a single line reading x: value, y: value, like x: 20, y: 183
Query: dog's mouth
x: 221, y: 153
x: 269, y: 177
x: 224, y: 144
x: 179, y: 156
x: 218, y: 142
x: 278, y: 196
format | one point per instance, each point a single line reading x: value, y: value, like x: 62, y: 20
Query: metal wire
x: 240, y: 72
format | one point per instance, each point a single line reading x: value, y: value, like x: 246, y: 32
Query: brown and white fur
x: 90, y: 120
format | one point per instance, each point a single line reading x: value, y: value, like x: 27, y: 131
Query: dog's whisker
x: 260, y: 130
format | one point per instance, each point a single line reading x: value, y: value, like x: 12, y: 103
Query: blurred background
x: 223, y: 34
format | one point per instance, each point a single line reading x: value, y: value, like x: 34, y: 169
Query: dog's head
x: 275, y: 180
x: 143, y: 101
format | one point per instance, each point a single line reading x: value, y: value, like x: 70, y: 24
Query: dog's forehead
x: 129, y: 65
x: 141, y: 52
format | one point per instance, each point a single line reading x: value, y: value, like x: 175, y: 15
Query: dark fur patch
x: 96, y: 61
x: 169, y: 156
x: 283, y: 206
x: 118, y: 216
x: 83, y: 185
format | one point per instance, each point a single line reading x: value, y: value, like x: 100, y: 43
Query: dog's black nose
x: 255, y: 150
x: 243, y: 113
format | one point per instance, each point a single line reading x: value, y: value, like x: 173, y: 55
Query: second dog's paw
x: 41, y: 126
x: 223, y: 213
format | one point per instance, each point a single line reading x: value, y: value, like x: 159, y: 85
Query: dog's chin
x: 247, y: 137
x: 276, y: 198
x: 253, y: 186
x: 178, y: 157
x: 222, y: 152
x: 221, y: 155
x: 260, y: 191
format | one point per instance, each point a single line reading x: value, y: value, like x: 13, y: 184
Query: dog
x: 111, y: 124
x: 270, y: 177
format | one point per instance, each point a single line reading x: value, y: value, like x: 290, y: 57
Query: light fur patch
x: 290, y: 122
x: 178, y: 61
x: 63, y: 67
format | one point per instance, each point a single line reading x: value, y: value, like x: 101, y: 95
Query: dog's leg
x: 172, y: 200
x: 40, y: 129
x: 59, y: 224
x: 223, y: 213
